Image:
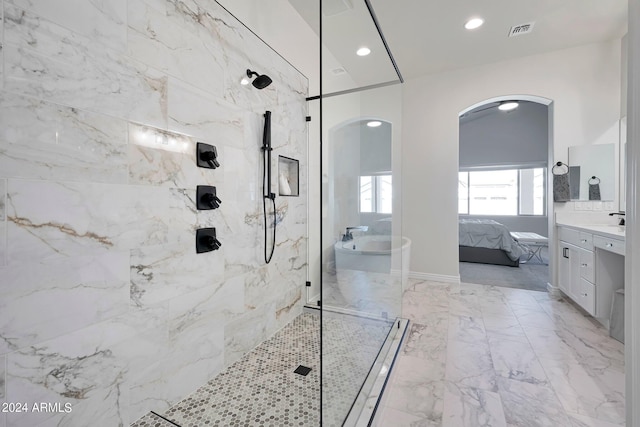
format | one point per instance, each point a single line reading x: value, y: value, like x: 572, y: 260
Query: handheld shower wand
x: 266, y: 185
x: 266, y: 148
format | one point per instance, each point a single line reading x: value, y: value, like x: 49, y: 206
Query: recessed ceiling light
x: 363, y: 51
x: 508, y: 106
x: 474, y: 23
x: 374, y: 123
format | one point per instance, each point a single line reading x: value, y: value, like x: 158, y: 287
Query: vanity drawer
x: 611, y: 245
x: 569, y: 235
x: 585, y: 240
x: 586, y: 296
x: 586, y: 265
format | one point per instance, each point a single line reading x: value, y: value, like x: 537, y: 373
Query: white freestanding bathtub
x: 372, y: 271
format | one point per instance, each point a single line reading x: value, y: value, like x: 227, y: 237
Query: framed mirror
x: 592, y: 172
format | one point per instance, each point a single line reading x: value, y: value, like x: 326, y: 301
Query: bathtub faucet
x: 348, y: 236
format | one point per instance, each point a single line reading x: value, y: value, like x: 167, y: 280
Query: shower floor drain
x: 302, y: 370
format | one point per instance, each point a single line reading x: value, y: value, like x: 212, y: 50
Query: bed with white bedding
x: 487, y: 241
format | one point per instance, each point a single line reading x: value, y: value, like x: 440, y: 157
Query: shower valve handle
x: 207, y: 156
x: 212, y: 200
x: 211, y: 158
x: 211, y: 242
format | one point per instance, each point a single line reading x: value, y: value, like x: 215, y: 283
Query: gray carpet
x: 532, y: 276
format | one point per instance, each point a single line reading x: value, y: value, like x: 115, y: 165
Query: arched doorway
x: 505, y: 148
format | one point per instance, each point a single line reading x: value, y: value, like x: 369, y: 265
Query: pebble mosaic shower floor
x: 261, y: 389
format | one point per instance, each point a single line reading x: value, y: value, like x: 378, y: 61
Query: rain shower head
x: 261, y: 81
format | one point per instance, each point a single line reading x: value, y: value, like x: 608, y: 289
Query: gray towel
x: 594, y: 191
x: 561, y: 191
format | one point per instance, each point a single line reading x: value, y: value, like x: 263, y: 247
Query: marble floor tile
x: 583, y: 421
x: 547, y: 342
x: 514, y: 358
x: 470, y: 365
x: 428, y: 286
x: 474, y: 288
x: 543, y: 296
x: 535, y: 317
x: 428, y: 341
x: 417, y: 389
x: 595, y: 349
x: 493, y: 336
x: 530, y: 405
x: 471, y: 407
x: 516, y: 361
x: 501, y: 326
x: 493, y: 305
x: 596, y: 395
x: 423, y: 401
x: 577, y: 345
x: 520, y: 297
x: 411, y: 371
x: 464, y: 305
x: 417, y: 304
x: 569, y: 314
x: 466, y: 329
x: 394, y: 417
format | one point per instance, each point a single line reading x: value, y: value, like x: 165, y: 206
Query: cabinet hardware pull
x: 609, y: 245
x: 583, y: 265
x: 584, y: 295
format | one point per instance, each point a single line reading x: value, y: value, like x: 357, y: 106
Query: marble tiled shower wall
x: 105, y: 304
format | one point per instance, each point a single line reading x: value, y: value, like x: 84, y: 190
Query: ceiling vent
x: 521, y: 29
x: 335, y: 7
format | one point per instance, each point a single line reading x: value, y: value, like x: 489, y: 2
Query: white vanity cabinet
x: 576, y: 267
x: 590, y: 267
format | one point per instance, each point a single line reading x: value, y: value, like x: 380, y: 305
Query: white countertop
x: 607, y: 230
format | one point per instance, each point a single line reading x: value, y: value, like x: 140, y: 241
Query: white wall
x: 582, y: 82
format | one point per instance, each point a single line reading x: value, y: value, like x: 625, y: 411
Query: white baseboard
x: 434, y: 277
x: 553, y: 291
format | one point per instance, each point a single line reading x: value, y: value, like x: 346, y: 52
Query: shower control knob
x: 206, y: 198
x: 211, y: 242
x: 206, y: 240
x: 212, y: 200
x: 207, y: 156
x: 210, y: 158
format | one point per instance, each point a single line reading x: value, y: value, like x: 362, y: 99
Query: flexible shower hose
x: 267, y: 258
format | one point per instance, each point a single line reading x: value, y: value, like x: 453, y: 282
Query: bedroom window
x: 510, y: 192
x: 376, y: 194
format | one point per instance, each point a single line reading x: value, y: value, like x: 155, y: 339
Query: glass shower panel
x: 348, y: 29
x: 365, y: 257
